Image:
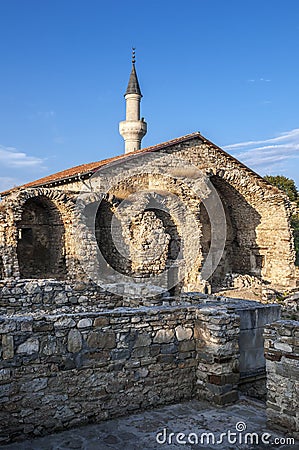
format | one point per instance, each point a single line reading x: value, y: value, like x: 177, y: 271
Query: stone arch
x: 70, y: 216
x: 40, y: 247
x: 110, y: 242
x: 274, y: 255
x: 102, y: 208
x: 241, y: 253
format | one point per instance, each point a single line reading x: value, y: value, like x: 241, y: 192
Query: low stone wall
x: 282, y: 365
x: 60, y: 371
x: 28, y: 295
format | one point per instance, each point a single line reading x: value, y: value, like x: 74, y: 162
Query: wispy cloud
x: 256, y: 80
x: 268, y: 154
x: 18, y: 167
x: 11, y: 158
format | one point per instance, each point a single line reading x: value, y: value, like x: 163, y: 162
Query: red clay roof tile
x: 92, y: 167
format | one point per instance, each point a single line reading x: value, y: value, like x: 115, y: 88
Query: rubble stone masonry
x: 66, y: 367
x: 282, y: 363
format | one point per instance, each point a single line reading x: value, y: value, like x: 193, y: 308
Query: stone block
x: 74, y: 341
x: 120, y: 354
x: 186, y: 346
x: 7, y: 326
x: 226, y: 398
x: 101, y: 321
x: 5, y: 375
x: 142, y: 340
x: 183, y: 333
x: 84, y: 323
x: 29, y: 347
x: 101, y: 339
x: 140, y: 352
x: 7, y: 346
x: 64, y: 322
x: 164, y: 336
x: 284, y: 347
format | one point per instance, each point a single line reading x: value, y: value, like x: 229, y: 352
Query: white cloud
x: 253, y: 80
x: 17, y: 167
x: 13, y: 159
x: 268, y: 154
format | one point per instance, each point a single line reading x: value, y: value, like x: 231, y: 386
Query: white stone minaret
x: 133, y: 129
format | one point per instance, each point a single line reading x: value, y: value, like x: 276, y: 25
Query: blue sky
x: 226, y: 68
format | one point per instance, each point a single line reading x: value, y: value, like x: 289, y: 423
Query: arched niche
x: 40, y: 247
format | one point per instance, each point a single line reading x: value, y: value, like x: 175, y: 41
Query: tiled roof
x: 85, y: 169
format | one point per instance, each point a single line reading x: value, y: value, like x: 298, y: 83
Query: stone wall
x: 29, y: 296
x: 218, y: 354
x: 25, y: 296
x: 282, y: 355
x: 253, y: 209
x: 66, y: 367
x: 60, y: 371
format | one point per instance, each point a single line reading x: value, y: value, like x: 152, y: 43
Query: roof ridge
x: 74, y: 171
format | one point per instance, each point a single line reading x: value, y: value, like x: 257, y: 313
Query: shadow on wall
x: 2, y: 274
x: 40, y: 247
x: 241, y: 253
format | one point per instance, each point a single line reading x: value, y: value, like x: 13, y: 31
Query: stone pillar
x: 217, y: 332
x: 282, y: 366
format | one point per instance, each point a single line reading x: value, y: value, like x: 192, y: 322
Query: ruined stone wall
x: 61, y: 371
x: 84, y: 363
x: 282, y: 364
x: 260, y: 211
x: 259, y: 239
x: 41, y: 240
x: 57, y: 232
x: 30, y: 296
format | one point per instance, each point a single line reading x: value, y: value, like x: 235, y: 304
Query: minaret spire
x: 133, y: 129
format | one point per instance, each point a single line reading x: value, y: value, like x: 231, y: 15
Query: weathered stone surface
x: 143, y: 340
x: 164, y: 336
x: 101, y: 321
x: 5, y: 375
x: 121, y: 360
x: 64, y: 322
x: 99, y: 339
x: 74, y: 341
x: 30, y: 346
x: 283, y: 346
x: 282, y: 365
x: 84, y: 323
x: 7, y: 346
x: 183, y: 333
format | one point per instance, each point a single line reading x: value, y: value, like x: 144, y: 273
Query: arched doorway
x: 41, y: 240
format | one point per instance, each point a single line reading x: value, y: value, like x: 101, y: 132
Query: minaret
x: 133, y: 129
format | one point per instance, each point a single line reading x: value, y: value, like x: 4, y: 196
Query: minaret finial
x: 133, y: 55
